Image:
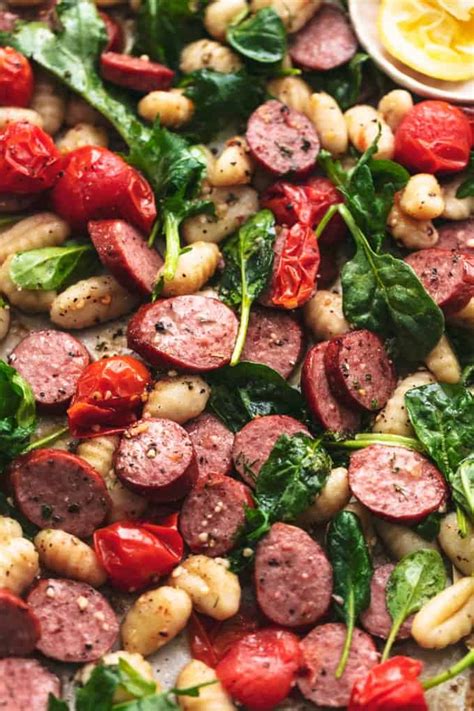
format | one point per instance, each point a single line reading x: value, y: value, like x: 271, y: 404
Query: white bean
x: 293, y: 13
x: 211, y: 698
x: 196, y: 265
x: 443, y: 362
x: 136, y: 661
x: 13, y: 114
x: 394, y: 106
x: 363, y: 125
x: 332, y: 499
x: 28, y: 300
x: 4, y: 320
x: 212, y: 587
x: 447, y: 617
x: 48, y: 100
x: 155, y: 619
x: 400, y: 540
x: 179, y: 398
x: 171, y: 107
x: 412, y: 234
x: 233, y: 207
x: 421, y: 198
x: 456, y: 208
x: 42, y: 230
x: 234, y: 166
x: 324, y: 316
x: 393, y: 419
x: 292, y: 91
x: 83, y: 134
x: 324, y: 112
x: 207, y: 54
x: 18, y: 564
x: 219, y: 14
x: 459, y: 550
x: 69, y: 557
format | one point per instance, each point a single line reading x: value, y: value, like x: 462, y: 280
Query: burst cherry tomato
x: 108, y: 396
x: 29, y: 160
x: 260, y: 669
x: 136, y: 555
x: 97, y: 184
x: 434, y: 137
x: 16, y: 78
x: 390, y: 686
x: 114, y: 34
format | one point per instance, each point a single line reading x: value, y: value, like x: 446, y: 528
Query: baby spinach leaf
x: 462, y: 340
x: 260, y: 37
x: 53, y: 267
x: 416, y: 579
x: 249, y: 390
x: 17, y: 413
x: 462, y: 486
x: 383, y: 293
x: 55, y: 704
x: 466, y: 189
x: 248, y: 263
x: 352, y: 569
x: 429, y: 527
x: 343, y: 83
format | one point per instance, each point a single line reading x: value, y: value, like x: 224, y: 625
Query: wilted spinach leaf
x: 17, y: 413
x: 343, y: 83
x: 466, y: 189
x: 429, y: 527
x: 260, y: 37
x: 462, y: 486
x: 53, y: 267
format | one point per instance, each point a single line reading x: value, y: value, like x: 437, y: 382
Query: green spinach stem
x: 452, y: 671
x: 244, y: 317
x: 173, y: 245
x: 349, y: 633
x: 324, y: 222
x: 47, y: 439
x: 391, y: 637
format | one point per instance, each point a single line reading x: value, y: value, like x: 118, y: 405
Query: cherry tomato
x: 108, y: 396
x: 97, y: 184
x: 260, y: 669
x: 114, y: 33
x: 434, y: 137
x: 29, y: 160
x: 322, y: 194
x: 16, y: 78
x: 295, y: 267
x: 135, y: 555
x: 390, y: 686
x: 469, y: 113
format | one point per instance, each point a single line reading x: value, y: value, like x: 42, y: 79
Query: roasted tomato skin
x: 16, y: 78
x: 97, y: 184
x: 29, y: 160
x: 115, y: 37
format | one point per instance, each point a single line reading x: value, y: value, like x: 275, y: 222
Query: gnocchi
x: 293, y: 13
x: 363, y: 125
x: 99, y: 452
x: 459, y: 550
x: 411, y: 233
x: 42, y: 230
x: 233, y: 207
x: 292, y: 91
x: 443, y: 362
x: 207, y: 54
x: 421, y: 198
x: 393, y: 419
x: 328, y: 119
x: 394, y: 106
x: 48, y: 100
x: 196, y: 265
x: 212, y: 587
x: 179, y: 398
x: 79, y: 111
x: 447, y: 617
x: 400, y: 540
x: 19, y: 564
x: 332, y: 499
x: 172, y: 107
x: 4, y: 319
x: 83, y: 134
x: 136, y: 661
x: 456, y: 208
x: 234, y: 166
x: 9, y: 528
x: 28, y: 300
x: 212, y: 697
x: 12, y: 114
x: 219, y: 14
x: 69, y: 557
x: 324, y: 316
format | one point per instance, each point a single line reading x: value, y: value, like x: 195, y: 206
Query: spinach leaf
x: 248, y: 259
x: 220, y: 99
x: 53, y: 267
x: 383, y: 293
x: 248, y: 390
x: 417, y: 578
x: 429, y: 527
x: 462, y: 486
x: 466, y: 189
x: 260, y: 37
x: 17, y: 413
x: 462, y: 340
x: 352, y: 569
x: 343, y: 83
x: 55, y: 704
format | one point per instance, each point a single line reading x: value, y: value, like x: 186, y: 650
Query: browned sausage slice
x: 156, y: 457
x: 56, y: 489
x: 293, y: 577
x: 255, y: 441
x: 135, y: 73
x: 325, y: 42
x: 25, y: 685
x: 212, y: 442
x: 325, y: 407
x: 447, y: 275
x: 52, y: 363
x: 19, y: 626
x: 193, y: 333
x: 124, y: 252
x: 274, y: 338
x: 282, y: 140
x: 213, y: 514
x: 376, y: 618
x: 458, y: 236
x: 322, y: 649
x: 359, y: 371
x: 77, y: 622
x: 396, y: 483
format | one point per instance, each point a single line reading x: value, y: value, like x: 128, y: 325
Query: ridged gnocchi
x: 179, y: 398
x: 324, y: 316
x: 212, y: 697
x: 333, y: 498
x: 212, y: 587
x: 233, y: 207
x: 19, y: 564
x: 459, y: 550
x: 393, y: 418
x: 44, y: 229
x: 443, y: 362
x: 328, y: 119
x: 48, y: 100
x: 28, y: 300
x: 83, y: 134
x: 69, y: 557
x: 196, y: 265
x: 401, y: 540
x: 447, y: 617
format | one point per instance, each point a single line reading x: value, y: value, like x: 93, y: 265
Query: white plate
x: 364, y: 19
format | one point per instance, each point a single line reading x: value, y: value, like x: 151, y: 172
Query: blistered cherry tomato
x: 260, y: 669
x: 108, y: 396
x: 135, y: 555
x: 29, y: 160
x: 295, y: 267
x: 16, y: 78
x: 114, y: 31
x: 468, y: 111
x: 97, y: 184
x: 391, y: 686
x: 434, y: 137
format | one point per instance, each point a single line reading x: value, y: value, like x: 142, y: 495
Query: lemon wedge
x: 434, y: 37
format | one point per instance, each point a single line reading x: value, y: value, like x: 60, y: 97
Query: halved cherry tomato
x: 115, y: 37
x: 97, y: 184
x: 434, y: 137
x: 468, y: 111
x: 16, y: 78
x: 108, y: 396
x: 29, y: 160
x: 135, y: 555
x: 261, y: 668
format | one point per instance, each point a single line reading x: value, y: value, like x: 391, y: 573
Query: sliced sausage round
x: 123, y: 251
x: 447, y: 275
x: 376, y: 618
x: 19, y: 626
x: 255, y: 441
x: 77, y: 622
x: 359, y: 371
x: 155, y: 457
x: 212, y: 442
x: 293, y: 577
x: 115, y: 36
x: 51, y: 362
x: 25, y: 685
x: 458, y: 236
x: 135, y: 73
x: 282, y: 140
x: 193, y: 333
x: 322, y: 649
x: 325, y: 42
x: 274, y: 338
x: 396, y: 483
x: 213, y: 515
x: 325, y: 407
x: 56, y: 489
